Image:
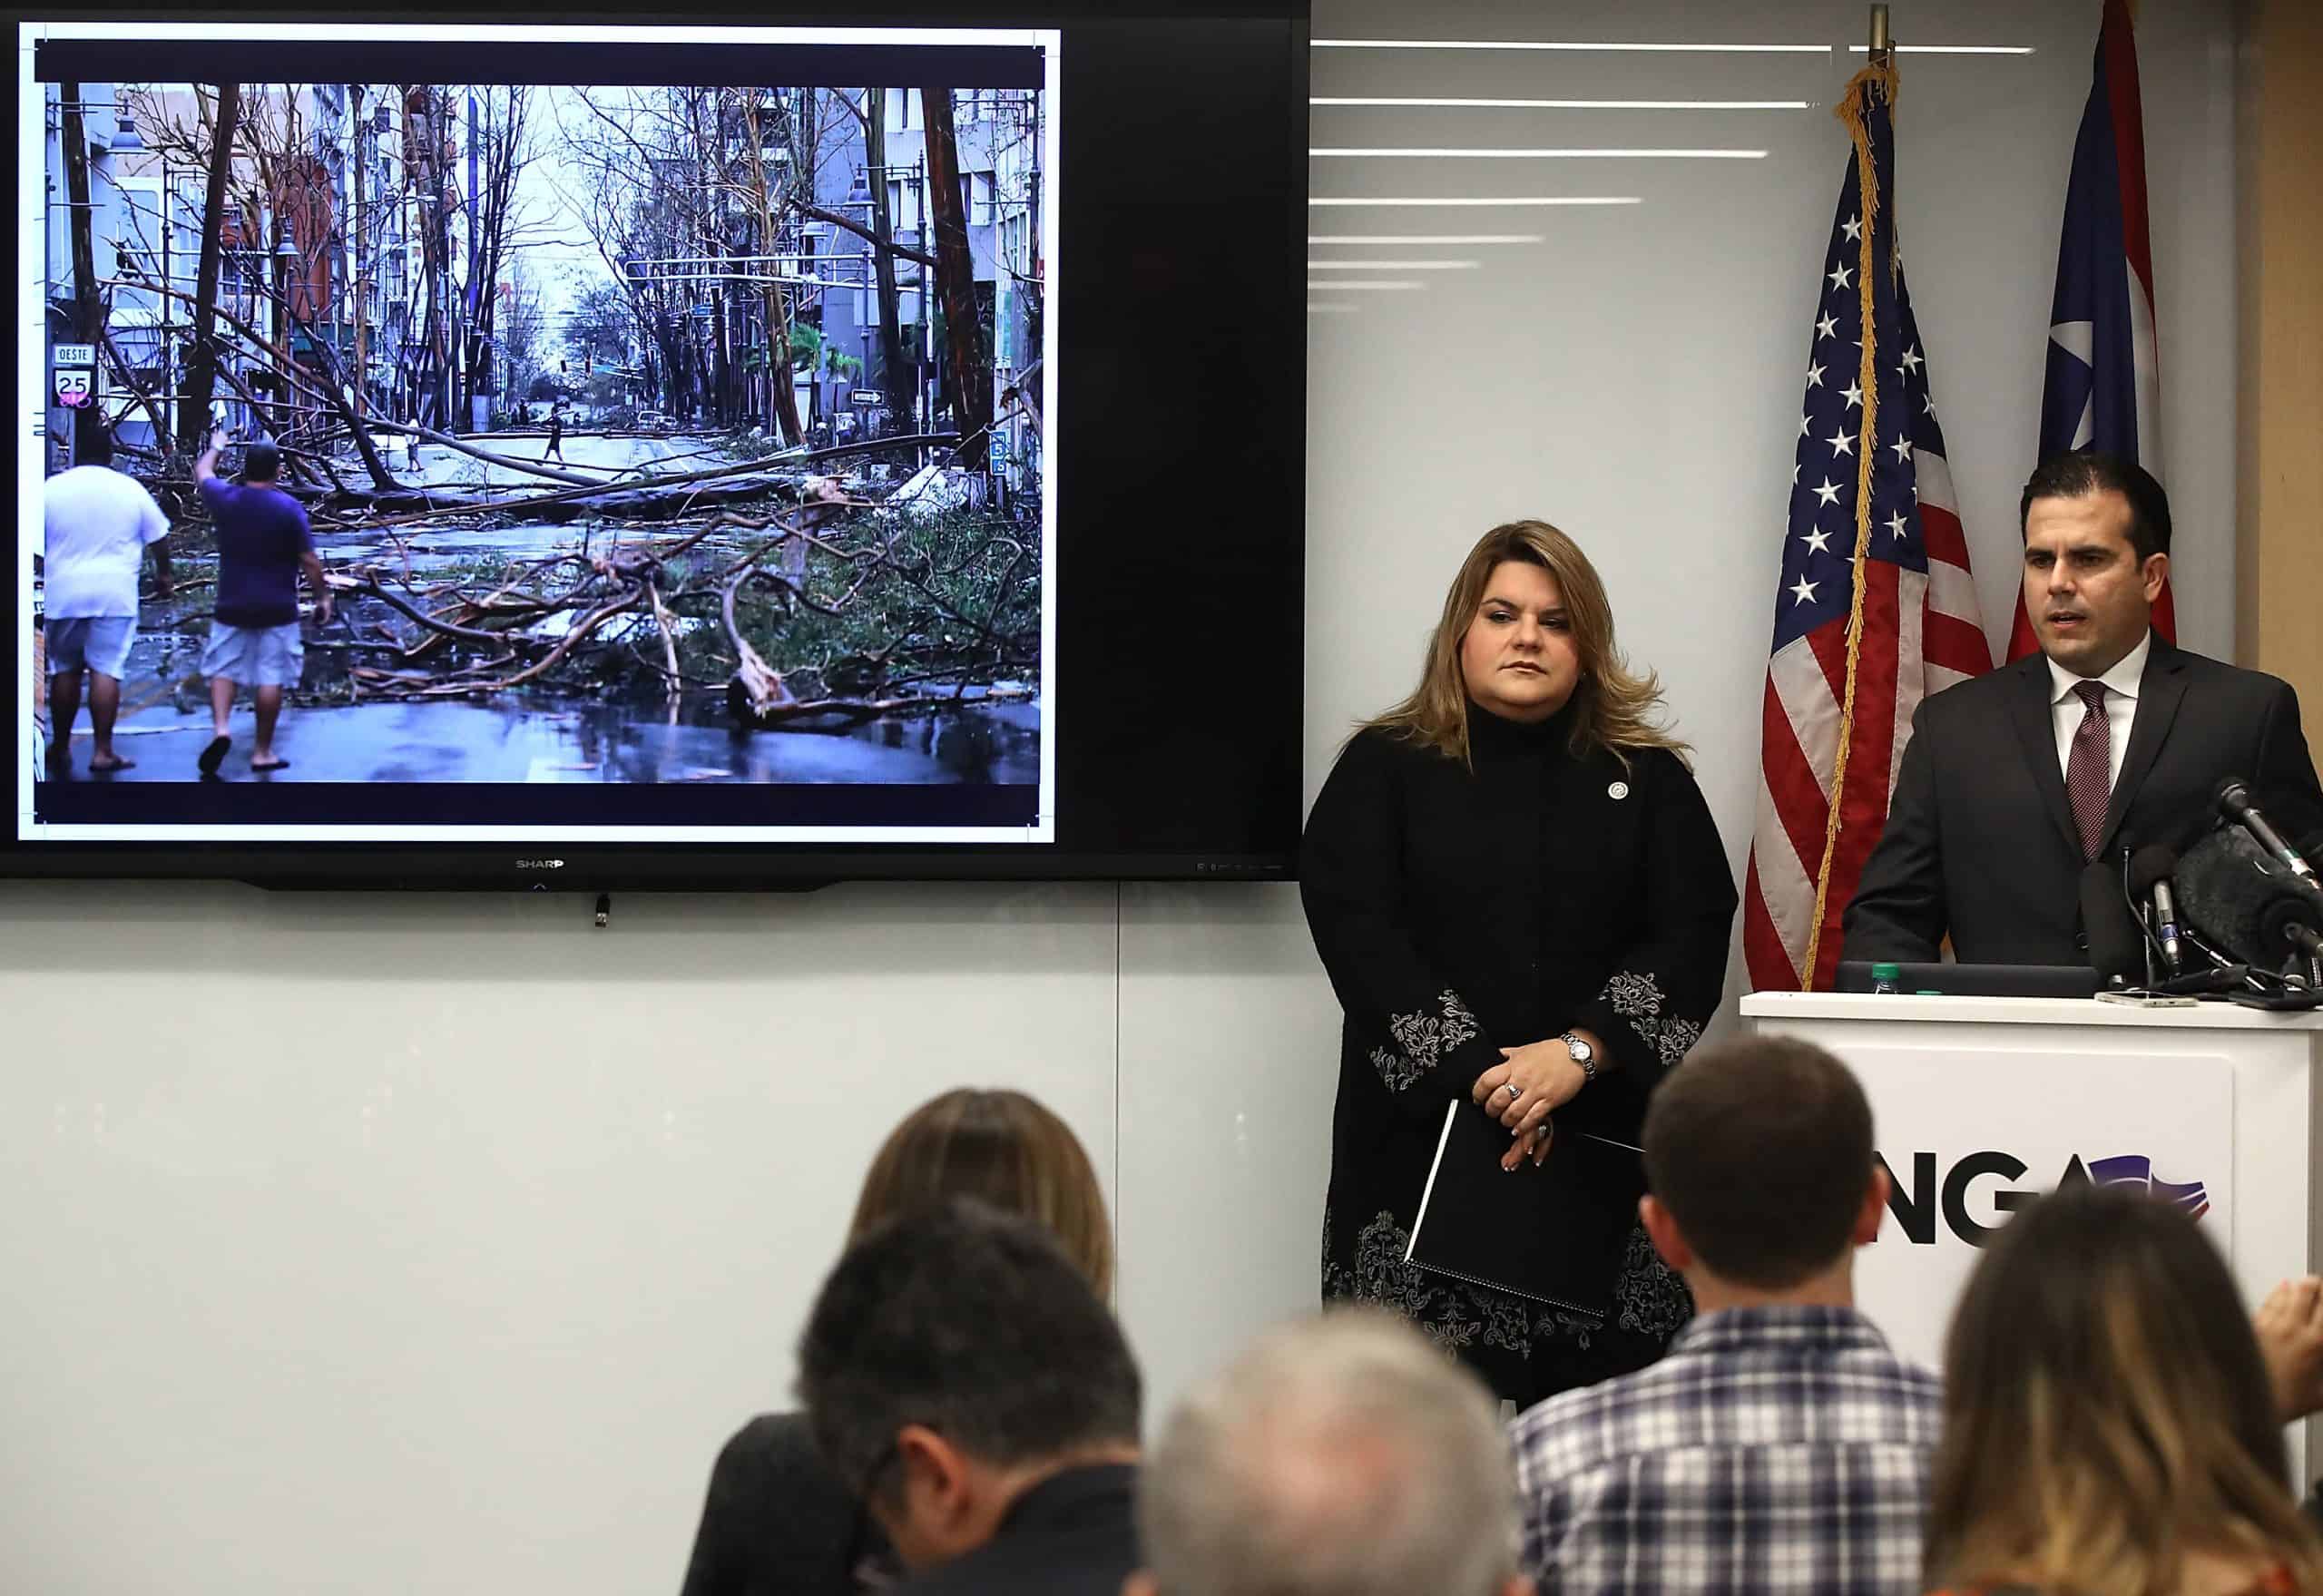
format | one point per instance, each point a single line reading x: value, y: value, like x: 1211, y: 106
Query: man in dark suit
x: 965, y: 1382
x: 2107, y: 739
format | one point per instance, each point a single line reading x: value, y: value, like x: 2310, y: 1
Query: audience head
x: 262, y: 461
x: 1004, y: 1149
x: 1344, y: 1456
x: 92, y: 439
x: 2107, y: 1415
x: 955, y: 1360
x: 2096, y: 554
x: 1762, y: 1177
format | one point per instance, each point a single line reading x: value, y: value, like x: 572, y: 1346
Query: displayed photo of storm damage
x: 478, y: 431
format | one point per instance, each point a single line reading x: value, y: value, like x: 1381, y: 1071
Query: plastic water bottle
x: 1885, y: 979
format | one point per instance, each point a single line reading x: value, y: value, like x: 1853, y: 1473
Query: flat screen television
x: 743, y: 454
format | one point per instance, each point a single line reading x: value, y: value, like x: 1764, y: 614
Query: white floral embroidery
x: 1425, y: 1038
x: 1459, y: 1024
x: 1454, y: 1315
x: 1677, y: 1040
x: 1636, y: 998
x: 1647, y: 1298
x: 1394, y: 1068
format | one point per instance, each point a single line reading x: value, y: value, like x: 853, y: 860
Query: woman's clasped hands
x: 1529, y: 1084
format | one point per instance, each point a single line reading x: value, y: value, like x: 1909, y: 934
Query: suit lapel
x: 2036, y: 729
x: 2161, y: 691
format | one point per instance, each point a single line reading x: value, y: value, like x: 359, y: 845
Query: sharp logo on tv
x: 540, y: 863
x: 1918, y: 1203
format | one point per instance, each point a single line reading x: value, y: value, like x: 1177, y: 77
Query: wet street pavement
x: 589, y: 742
x: 585, y: 454
x: 165, y: 719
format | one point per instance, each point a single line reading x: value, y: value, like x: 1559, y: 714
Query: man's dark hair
x: 91, y: 439
x: 260, y: 462
x: 2082, y: 471
x: 973, y: 1322
x: 1761, y: 1151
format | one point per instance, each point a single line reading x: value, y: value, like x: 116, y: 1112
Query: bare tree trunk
x: 782, y: 395
x: 503, y: 151
x: 722, y: 364
x: 202, y: 361
x: 893, y: 374
x: 362, y: 222
x: 967, y: 362
x: 429, y: 404
x: 88, y: 309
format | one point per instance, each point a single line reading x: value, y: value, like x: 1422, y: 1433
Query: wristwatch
x: 1583, y: 1055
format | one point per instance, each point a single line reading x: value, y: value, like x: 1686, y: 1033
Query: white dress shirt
x: 2065, y: 708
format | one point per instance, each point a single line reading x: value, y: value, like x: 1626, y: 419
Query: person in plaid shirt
x: 1780, y: 1445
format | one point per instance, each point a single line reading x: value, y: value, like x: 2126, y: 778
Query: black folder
x: 1530, y: 1232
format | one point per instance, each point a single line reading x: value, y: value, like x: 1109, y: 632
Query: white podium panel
x: 1980, y: 1104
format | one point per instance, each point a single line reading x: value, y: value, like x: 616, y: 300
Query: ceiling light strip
x: 1507, y: 200
x: 1585, y: 46
x: 1403, y: 239
x: 1951, y: 49
x: 1464, y: 103
x: 1497, y: 152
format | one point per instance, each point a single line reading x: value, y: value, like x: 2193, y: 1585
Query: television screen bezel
x: 608, y: 866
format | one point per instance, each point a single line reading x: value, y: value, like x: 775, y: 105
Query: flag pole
x: 1882, y: 58
x: 1878, y: 74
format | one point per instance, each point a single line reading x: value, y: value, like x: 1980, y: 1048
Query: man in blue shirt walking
x: 263, y: 543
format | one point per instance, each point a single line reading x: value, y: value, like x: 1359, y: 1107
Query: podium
x: 1980, y: 1104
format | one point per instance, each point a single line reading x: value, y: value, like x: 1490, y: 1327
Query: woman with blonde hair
x: 1523, y: 903
x: 776, y: 1522
x: 2110, y: 1427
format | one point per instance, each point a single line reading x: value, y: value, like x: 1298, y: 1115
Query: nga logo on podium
x: 1916, y: 1204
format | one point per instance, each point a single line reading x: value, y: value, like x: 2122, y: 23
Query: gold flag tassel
x: 1877, y: 78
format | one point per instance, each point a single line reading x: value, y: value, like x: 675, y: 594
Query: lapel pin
x: 1619, y: 790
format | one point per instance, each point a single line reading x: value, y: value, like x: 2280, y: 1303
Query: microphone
x: 2151, y: 869
x: 2292, y: 921
x: 2234, y: 803
x: 2116, y: 946
x: 2239, y: 895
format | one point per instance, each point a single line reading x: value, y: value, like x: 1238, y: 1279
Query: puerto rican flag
x: 2104, y: 377
x: 1877, y: 608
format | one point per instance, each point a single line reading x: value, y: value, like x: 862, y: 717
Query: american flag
x: 1877, y: 609
x: 2102, y: 390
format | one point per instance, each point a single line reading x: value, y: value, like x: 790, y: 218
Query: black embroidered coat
x: 1458, y: 913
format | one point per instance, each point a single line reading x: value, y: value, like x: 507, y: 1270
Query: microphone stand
x: 2222, y: 979
x: 2149, y: 944
x: 2220, y: 964
x: 2292, y: 991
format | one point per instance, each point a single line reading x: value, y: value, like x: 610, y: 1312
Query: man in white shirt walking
x: 96, y: 522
